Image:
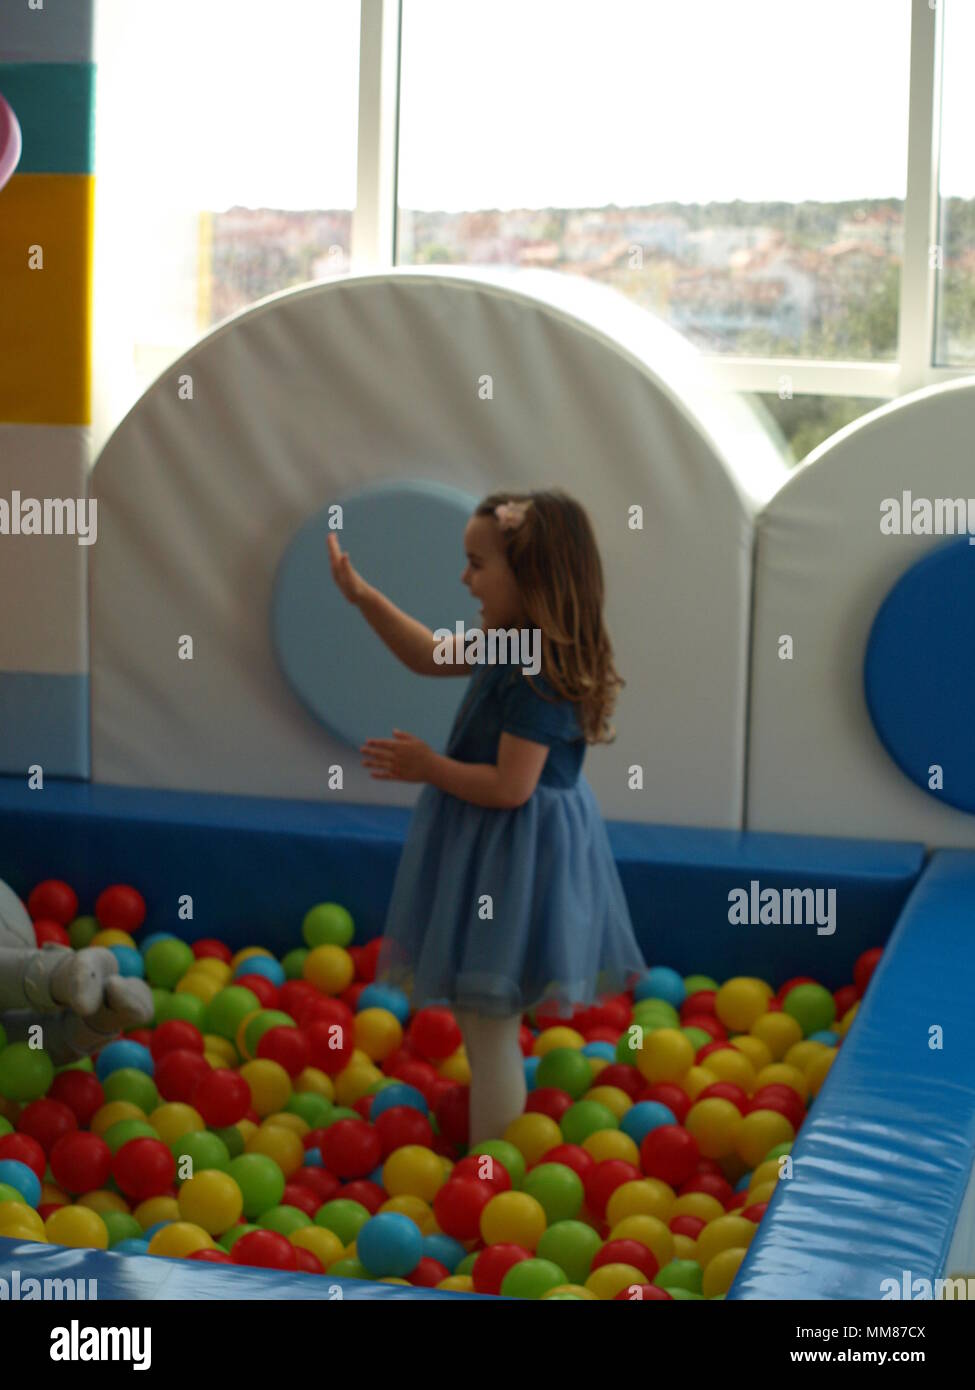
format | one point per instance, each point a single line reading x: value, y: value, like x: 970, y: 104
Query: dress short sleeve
x: 527, y: 715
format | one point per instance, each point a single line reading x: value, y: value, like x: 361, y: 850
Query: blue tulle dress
x: 561, y: 930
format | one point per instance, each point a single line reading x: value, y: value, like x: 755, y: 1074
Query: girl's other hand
x: 403, y: 758
x: 352, y: 585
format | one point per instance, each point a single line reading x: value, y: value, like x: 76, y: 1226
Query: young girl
x: 507, y: 893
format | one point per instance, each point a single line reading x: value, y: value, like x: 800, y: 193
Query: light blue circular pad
x: 919, y: 672
x: 407, y: 539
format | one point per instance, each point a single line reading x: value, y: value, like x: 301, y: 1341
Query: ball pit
x: 293, y: 1115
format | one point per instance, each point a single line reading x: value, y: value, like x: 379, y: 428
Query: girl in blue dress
x: 507, y: 894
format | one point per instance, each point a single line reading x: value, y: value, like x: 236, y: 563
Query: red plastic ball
x: 265, y: 990
x: 350, y: 996
x: 458, y: 1207
x: 370, y: 1194
x: 176, y: 1035
x: 53, y: 899
x: 493, y: 1263
x: 701, y: 1002
x: 402, y: 1125
x: 550, y: 1101
x: 49, y: 932
x: 627, y: 1252
x: 414, y: 1071
x: 482, y: 1168
x: 452, y: 1107
x: 725, y: 1090
x: 668, y: 1093
x: 707, y: 1023
x: 737, y: 1199
x: 624, y: 1078
x: 669, y: 1153
x: 307, y: 1261
x: 81, y: 1162
x: 526, y: 1040
x: 139, y: 1035
x: 210, y: 1257
x: 782, y: 1099
x: 21, y: 1148
x: 368, y: 959
x: 351, y: 1148
x: 120, y: 908
x: 709, y: 1165
x: 178, y: 1073
x: 773, y: 1006
x: 844, y: 999
x: 144, y: 1168
x: 46, y: 1208
x: 265, y: 1249
x: 863, y: 970
x: 209, y: 948
x: 80, y: 1091
x: 642, y: 1293
x: 330, y: 1045
x: 46, y: 1121
x: 613, y: 1013
x: 286, y: 1046
x: 603, y: 1179
x: 710, y: 1183
x: 755, y: 1211
x: 318, y: 1181
x: 221, y: 1096
x: 573, y: 1156
x: 428, y: 1273
x: 296, y: 1195
x: 435, y: 1034
x: 687, y: 1225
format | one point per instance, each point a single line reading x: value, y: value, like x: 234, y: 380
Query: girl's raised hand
x: 402, y: 758
x: 352, y: 585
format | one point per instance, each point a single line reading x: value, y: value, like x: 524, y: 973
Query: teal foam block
x: 54, y: 103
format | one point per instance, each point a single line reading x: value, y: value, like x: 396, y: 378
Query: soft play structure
x: 797, y: 706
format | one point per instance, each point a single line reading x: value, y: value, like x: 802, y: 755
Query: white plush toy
x: 77, y: 998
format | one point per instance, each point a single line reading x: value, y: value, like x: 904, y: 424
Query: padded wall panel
x: 60, y: 32
x: 823, y: 569
x: 375, y: 379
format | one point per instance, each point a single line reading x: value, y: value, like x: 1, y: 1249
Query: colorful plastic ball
x: 327, y: 924
x: 78, y: 1227
x: 532, y: 1279
x: 120, y: 908
x: 54, y: 899
x: 489, y: 1267
x: 282, y: 1145
x: 265, y: 1250
x: 228, y: 1009
x: 760, y: 1131
x: 444, y: 1248
x: 585, y: 1118
x: 143, y: 1168
x: 167, y: 961
x: 199, y: 1151
x: 130, y: 1084
x: 288, y: 1046
x: 351, y: 1148
x: 385, y: 997
x: 396, y: 1095
x: 81, y: 932
x: 812, y: 1007
x: 458, y: 1206
x: 665, y: 1055
x: 557, y: 1188
x: 610, y: 1280
x: 211, y: 1200
x: 863, y: 969
x: 270, y: 1086
x: 714, y: 1123
x: 669, y: 1153
x: 18, y: 1175
x: 260, y: 1180
x: 48, y: 932
x: 123, y: 1055
x: 644, y: 1116
x: 413, y: 1170
x: 178, y: 1073
x: 565, y: 1069
x: 22, y: 1148
x: 80, y: 1162
x: 389, y: 1244
x: 343, y: 1217
x: 120, y: 1133
x: 435, y: 1033
x: 501, y: 1152
x: 629, y: 1252
x: 25, y: 1072
x: 572, y: 1245
x: 221, y: 1097
x: 177, y: 1240
x: 378, y: 1033
x: 265, y: 966
x: 513, y: 1218
x: 313, y: 1109
x: 329, y: 968
x: 661, y: 983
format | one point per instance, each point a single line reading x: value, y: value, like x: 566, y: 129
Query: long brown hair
x: 556, y: 564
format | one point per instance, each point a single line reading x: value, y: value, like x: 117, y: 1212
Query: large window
x: 226, y: 170
x: 954, y: 251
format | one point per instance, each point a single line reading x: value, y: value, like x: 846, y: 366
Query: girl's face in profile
x: 489, y: 577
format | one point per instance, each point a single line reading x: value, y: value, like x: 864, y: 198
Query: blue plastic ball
x: 661, y: 983
x: 397, y: 1094
x: 743, y: 1182
x: 131, y: 1246
x: 646, y: 1115
x: 531, y: 1065
x: 313, y: 1158
x: 124, y: 1053
x: 385, y: 997
x: 389, y: 1244
x: 825, y: 1035
x: 150, y: 1231
x: 24, y: 1179
x: 600, y: 1049
x: 130, y: 963
x: 448, y: 1251
x: 262, y: 965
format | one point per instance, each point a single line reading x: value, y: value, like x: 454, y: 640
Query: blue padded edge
x: 254, y: 866
x: 44, y: 719
x: 155, y: 1277
x: 55, y: 105
x: 62, y: 32
x: 883, y: 1161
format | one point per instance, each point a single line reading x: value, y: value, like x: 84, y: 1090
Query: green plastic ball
x: 293, y: 964
x: 327, y: 924
x: 465, y: 1266
x: 680, y: 1274
x: 120, y: 1226
x: 694, y: 984
x: 8, y: 1193
x: 5, y: 1126
x: 284, y: 1219
x: 120, y: 1133
x: 680, y: 1295
x: 131, y: 1084
x: 260, y: 1180
x: 342, y: 1217
x: 567, y: 1069
x: 508, y: 1156
x: 812, y: 1007
x: 349, y: 1268
x: 313, y: 1109
x: 82, y: 1064
x: 227, y: 1010
x: 167, y: 961
x: 188, y: 1008
x: 656, y: 1009
x: 558, y: 1189
x: 81, y: 931
x: 263, y: 1023
x: 572, y: 1245
x: 232, y: 1137
x: 697, y: 1037
x: 584, y: 1118
x: 532, y: 1278
x: 25, y: 1072
x: 779, y: 1151
x: 625, y: 1052
x: 234, y: 1234
x: 204, y: 1149
x: 339, y: 1112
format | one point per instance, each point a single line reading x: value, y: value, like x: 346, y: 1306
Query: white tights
x: 498, y: 1089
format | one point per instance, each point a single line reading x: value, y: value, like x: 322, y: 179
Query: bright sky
x: 524, y: 103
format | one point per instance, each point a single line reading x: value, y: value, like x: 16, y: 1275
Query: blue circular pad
x: 408, y: 540
x: 919, y: 672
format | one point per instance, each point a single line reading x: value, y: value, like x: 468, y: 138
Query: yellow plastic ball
x: 79, y: 1227
x: 641, y: 1197
x: 283, y: 1145
x: 612, y: 1097
x: 415, y: 1208
x: 695, y: 1080
x: 730, y: 1064
x: 394, y: 1279
x: 329, y: 968
x: 219, y: 969
x: 533, y: 1135
x: 760, y: 1131
x: 240, y: 1037
x: 818, y: 1068
x: 245, y: 1129
x: 719, y: 1273
x: 612, y: 1143
x: 218, y: 1063
x: 13, y: 1213
x: 180, y: 1239
x: 666, y: 1055
x: 175, y: 1118
x: 722, y: 1234
x: 354, y: 1082
x: 609, y: 1280
x: 316, y: 1081
x: 20, y: 1231
x: 284, y: 1119
x: 156, y: 1209
x: 699, y: 1204
x: 513, y: 1218
x: 415, y: 1171
x: 778, y: 1031
x: 456, y: 1067
x: 103, y: 1200
x: 758, y: 1052
x: 111, y: 936
x: 457, y: 1283
x: 582, y: 1293
x: 847, y: 1021
x: 551, y: 1038
x: 765, y: 1172
x: 650, y: 1231
x: 781, y: 1074
x: 378, y: 1032
x: 714, y: 1123
x: 51, y: 1193
x: 761, y: 1192
x: 324, y: 1244
x: 111, y: 1112
x: 803, y: 1052
x: 740, y: 1001
x: 200, y: 984
x: 221, y: 1047
x: 211, y: 1200
x: 270, y: 1085
x: 684, y: 1247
